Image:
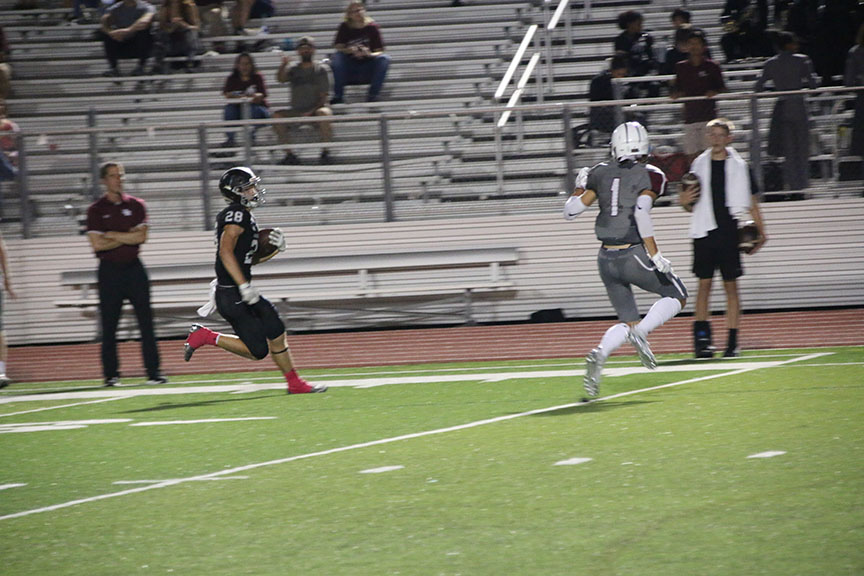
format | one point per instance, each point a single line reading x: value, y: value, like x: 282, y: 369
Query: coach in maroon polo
x: 116, y: 228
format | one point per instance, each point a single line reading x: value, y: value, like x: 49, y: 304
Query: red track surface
x: 507, y: 342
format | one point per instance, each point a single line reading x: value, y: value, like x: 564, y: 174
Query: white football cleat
x: 593, y: 372
x: 638, y: 340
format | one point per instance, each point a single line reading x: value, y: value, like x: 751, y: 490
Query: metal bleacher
x: 444, y: 59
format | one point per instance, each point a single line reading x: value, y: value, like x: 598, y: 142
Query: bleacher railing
x: 394, y: 177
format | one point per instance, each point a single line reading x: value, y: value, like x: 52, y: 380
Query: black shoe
x: 325, y: 157
x: 337, y: 101
x: 732, y: 353
x: 157, y: 69
x: 156, y: 381
x: 137, y: 71
x: 112, y: 382
x: 290, y: 159
x: 112, y: 73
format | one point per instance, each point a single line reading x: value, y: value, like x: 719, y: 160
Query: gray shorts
x: 622, y: 269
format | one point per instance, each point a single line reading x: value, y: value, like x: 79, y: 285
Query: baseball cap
x: 305, y: 41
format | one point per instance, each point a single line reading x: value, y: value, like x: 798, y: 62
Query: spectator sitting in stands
x: 697, y: 76
x: 212, y: 22
x: 244, y: 83
x: 602, y: 118
x: 178, y: 33
x: 5, y: 68
x: 359, y: 56
x: 126, y: 33
x: 745, y: 23
x: 246, y: 9
x: 310, y: 87
x: 638, y: 46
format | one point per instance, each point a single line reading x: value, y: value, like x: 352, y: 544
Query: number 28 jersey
x: 246, y: 245
x: 618, y: 186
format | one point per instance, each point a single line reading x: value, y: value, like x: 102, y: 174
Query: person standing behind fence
x: 359, y: 56
x: 790, y: 122
x: 117, y: 227
x: 244, y: 82
x: 854, y: 76
x: 723, y: 198
x: 7, y: 284
x: 697, y: 76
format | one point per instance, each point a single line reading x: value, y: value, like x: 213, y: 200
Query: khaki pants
x: 694, y: 138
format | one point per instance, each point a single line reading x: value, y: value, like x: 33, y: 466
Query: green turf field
x: 738, y: 467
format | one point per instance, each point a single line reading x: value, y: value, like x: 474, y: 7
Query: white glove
x: 663, y: 265
x: 277, y: 239
x: 582, y: 178
x: 249, y: 294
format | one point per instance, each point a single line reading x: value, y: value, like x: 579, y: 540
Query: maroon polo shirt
x: 106, y: 216
x: 693, y: 80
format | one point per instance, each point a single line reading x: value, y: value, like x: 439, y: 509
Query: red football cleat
x: 198, y: 336
x: 300, y: 386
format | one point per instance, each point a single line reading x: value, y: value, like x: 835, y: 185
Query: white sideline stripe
x: 232, y: 471
x: 58, y: 407
x: 441, y: 370
x: 7, y: 486
x: 361, y: 383
x: 769, y: 454
x: 205, y: 421
x: 160, y: 481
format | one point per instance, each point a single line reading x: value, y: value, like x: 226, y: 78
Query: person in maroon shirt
x: 116, y: 228
x: 244, y: 84
x: 697, y: 76
x: 359, y: 56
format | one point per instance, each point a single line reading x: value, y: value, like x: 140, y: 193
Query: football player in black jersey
x: 255, y: 320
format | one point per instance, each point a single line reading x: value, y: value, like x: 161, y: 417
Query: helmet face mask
x: 240, y: 184
x: 630, y: 142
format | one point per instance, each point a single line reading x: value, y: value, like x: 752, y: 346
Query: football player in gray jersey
x: 625, y: 190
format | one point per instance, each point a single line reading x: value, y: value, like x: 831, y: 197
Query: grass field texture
x: 745, y: 466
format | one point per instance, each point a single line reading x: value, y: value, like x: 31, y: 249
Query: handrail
x: 514, y: 63
x: 520, y: 88
x: 657, y: 103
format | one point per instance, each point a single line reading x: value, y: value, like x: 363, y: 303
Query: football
x: 748, y: 236
x: 265, y: 249
x: 688, y: 180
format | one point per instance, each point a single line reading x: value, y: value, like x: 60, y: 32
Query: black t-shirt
x: 246, y: 245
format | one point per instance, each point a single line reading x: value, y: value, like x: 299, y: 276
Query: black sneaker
x: 112, y: 382
x: 138, y: 71
x: 325, y: 157
x: 156, y: 381
x: 111, y: 73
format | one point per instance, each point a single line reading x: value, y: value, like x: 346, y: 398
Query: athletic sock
x: 732, y: 340
x: 614, y: 337
x: 661, y: 312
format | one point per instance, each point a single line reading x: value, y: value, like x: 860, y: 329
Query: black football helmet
x: 240, y: 184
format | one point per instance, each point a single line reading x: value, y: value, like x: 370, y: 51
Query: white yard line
x: 61, y: 406
x: 204, y: 421
x: 239, y: 469
x: 246, y: 387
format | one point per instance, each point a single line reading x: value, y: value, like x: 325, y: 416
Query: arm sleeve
x: 642, y: 215
x: 573, y: 207
x: 376, y: 42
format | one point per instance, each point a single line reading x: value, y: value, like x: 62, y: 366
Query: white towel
x: 738, y: 193
x: 208, y: 308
